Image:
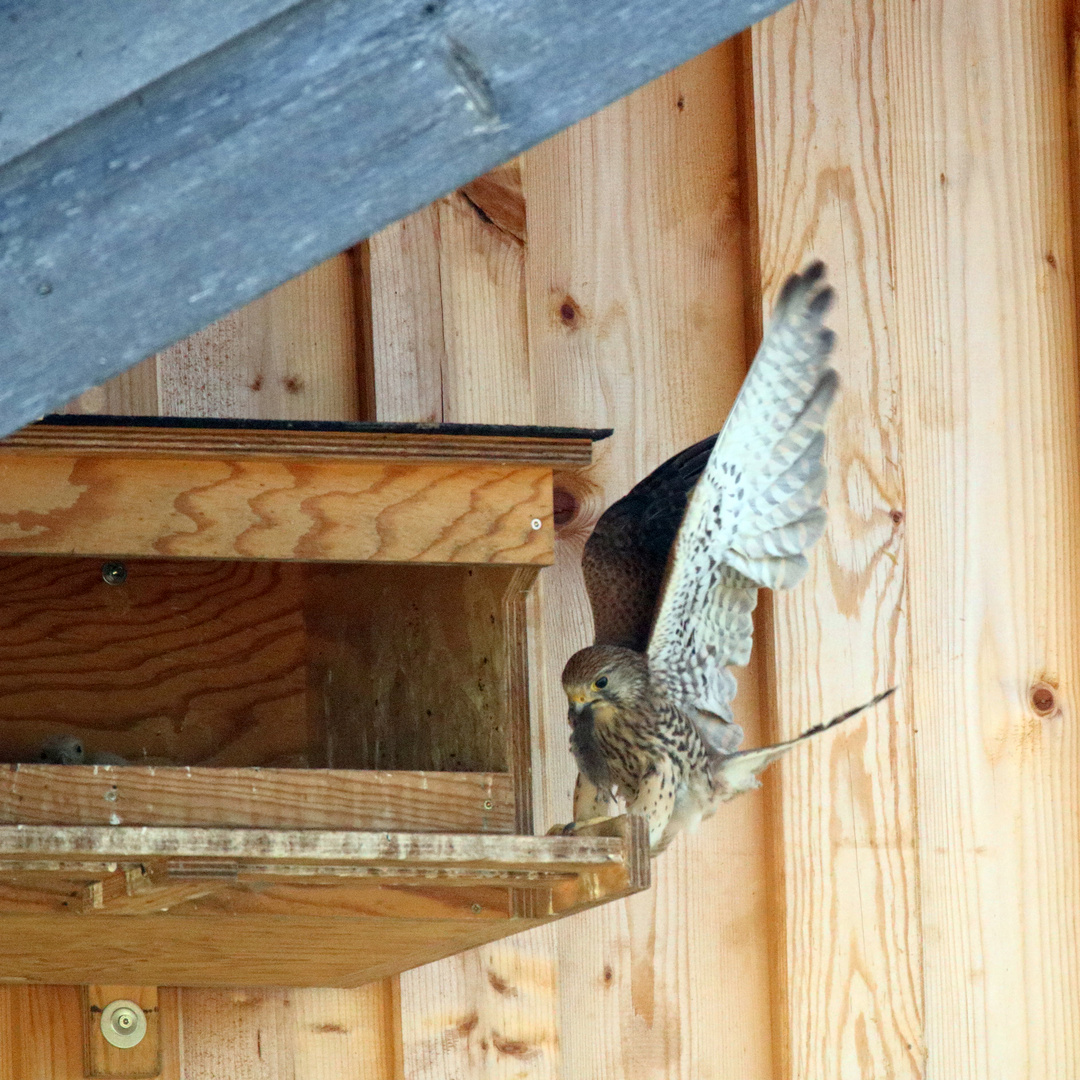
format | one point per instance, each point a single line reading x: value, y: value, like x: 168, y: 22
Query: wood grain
x: 269, y: 1032
x: 366, y: 511
x: 986, y: 299
x: 410, y: 670
x: 190, y: 662
x: 635, y: 277
x: 291, y: 354
x: 342, y: 936
x: 259, y: 798
x: 848, y: 987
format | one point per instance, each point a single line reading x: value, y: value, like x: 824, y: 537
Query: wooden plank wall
x: 900, y: 900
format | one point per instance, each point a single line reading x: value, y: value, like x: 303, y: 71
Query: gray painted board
x: 150, y: 218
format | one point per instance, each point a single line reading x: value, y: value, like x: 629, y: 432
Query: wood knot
x: 569, y: 312
x: 897, y: 516
x: 1043, y: 699
x: 565, y: 506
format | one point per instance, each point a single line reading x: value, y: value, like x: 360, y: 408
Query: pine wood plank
x: 363, y: 511
x: 849, y: 982
x: 272, y: 1032
x: 448, y: 307
x: 258, y: 798
x: 291, y: 354
x: 408, y: 337
x: 636, y: 314
x: 986, y: 299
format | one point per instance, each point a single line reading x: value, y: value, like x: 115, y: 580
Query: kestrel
x: 672, y: 571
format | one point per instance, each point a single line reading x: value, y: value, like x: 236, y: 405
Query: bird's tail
x: 738, y: 772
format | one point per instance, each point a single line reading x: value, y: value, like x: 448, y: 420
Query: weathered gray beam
x: 288, y: 142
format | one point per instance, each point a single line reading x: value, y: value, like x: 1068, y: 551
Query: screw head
x: 123, y: 1024
x: 113, y: 573
x: 476, y: 909
x: 488, y: 804
x: 537, y: 524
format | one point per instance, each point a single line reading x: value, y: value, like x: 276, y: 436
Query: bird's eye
x: 601, y: 682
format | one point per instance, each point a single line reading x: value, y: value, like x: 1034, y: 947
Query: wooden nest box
x: 321, y: 629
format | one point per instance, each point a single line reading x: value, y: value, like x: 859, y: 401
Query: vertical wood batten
x: 849, y: 982
x: 986, y: 306
x: 634, y: 280
x: 448, y: 325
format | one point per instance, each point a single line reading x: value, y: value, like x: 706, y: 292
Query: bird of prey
x: 672, y: 571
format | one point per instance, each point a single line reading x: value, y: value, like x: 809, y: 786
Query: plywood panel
x: 224, y: 507
x: 986, y: 303
x: 186, y: 662
x: 429, y: 683
x: 849, y: 987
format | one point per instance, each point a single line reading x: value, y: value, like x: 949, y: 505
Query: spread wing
x: 626, y: 555
x: 756, y: 508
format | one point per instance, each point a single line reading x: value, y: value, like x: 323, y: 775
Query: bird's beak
x: 578, y: 703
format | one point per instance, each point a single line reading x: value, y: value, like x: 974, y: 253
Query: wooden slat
x: 315, y: 847
x: 986, y: 306
x: 291, y: 353
x: 308, y: 1034
x: 849, y: 985
x: 259, y: 798
x: 222, y: 508
x: 635, y: 289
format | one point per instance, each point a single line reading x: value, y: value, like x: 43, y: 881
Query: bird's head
x: 62, y: 750
x: 604, y: 674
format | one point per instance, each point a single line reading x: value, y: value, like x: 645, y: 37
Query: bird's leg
x: 655, y: 799
x: 591, y: 805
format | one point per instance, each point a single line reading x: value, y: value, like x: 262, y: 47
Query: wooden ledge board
x: 259, y: 798
x: 213, y: 907
x: 219, y: 506
x: 311, y: 847
x: 306, y: 444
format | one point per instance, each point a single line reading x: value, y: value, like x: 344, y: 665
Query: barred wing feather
x: 756, y: 509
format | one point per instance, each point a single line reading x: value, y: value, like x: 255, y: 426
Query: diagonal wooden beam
x: 281, y: 145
